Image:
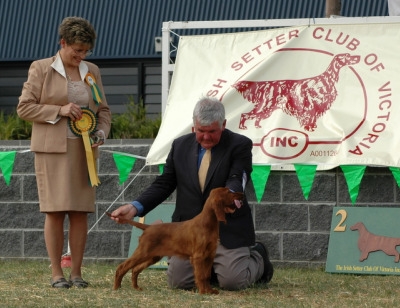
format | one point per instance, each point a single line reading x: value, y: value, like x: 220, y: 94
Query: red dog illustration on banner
x: 306, y: 99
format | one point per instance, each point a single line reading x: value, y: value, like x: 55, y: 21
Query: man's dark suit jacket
x: 231, y: 157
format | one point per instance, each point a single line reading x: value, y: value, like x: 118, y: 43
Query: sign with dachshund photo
x: 364, y: 240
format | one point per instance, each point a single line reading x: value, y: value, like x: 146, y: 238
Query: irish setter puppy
x: 194, y: 239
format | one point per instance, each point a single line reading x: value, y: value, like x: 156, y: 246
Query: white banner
x: 315, y: 94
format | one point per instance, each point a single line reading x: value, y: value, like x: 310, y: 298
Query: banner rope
x: 125, y: 154
x: 174, y: 48
x: 126, y: 187
x: 140, y: 171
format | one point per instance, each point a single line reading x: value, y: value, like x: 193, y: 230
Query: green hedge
x: 132, y: 124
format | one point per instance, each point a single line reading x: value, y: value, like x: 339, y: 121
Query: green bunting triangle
x: 124, y: 165
x: 396, y: 174
x: 259, y: 176
x: 305, y: 174
x: 7, y: 164
x: 161, y: 168
x: 353, y: 176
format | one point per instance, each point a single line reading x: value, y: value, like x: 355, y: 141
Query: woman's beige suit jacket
x: 41, y: 99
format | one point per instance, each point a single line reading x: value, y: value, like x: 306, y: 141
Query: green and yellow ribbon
x: 96, y: 93
x: 83, y: 127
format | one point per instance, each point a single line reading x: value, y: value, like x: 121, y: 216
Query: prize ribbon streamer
x: 83, y: 127
x: 96, y: 93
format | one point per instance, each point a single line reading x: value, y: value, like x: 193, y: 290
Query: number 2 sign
x: 364, y: 240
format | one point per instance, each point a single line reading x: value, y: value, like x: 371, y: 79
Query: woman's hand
x: 97, y: 138
x: 71, y: 110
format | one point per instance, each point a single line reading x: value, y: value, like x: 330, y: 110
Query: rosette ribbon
x: 84, y: 127
x: 96, y: 93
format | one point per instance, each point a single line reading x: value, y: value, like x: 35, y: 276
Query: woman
x: 52, y: 98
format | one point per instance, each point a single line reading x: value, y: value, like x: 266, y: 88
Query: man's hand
x: 126, y: 211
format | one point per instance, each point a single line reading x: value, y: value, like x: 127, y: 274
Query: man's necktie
x: 205, y: 163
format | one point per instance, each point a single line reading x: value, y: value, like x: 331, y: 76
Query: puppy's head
x: 224, y: 201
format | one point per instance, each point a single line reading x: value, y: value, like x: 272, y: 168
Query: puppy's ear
x: 219, y: 209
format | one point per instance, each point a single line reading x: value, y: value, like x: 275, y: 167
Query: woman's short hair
x: 77, y: 30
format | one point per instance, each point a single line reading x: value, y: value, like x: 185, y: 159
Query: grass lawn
x: 26, y: 284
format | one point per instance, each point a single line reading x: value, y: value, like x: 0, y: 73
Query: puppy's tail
x: 135, y: 224
x: 131, y: 222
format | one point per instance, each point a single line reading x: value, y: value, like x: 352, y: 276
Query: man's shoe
x: 213, y: 278
x: 268, y: 268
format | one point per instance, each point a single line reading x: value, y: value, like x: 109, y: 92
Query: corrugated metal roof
x: 360, y: 8
x: 127, y: 28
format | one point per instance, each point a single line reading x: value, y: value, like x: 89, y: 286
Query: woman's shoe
x: 78, y: 282
x: 60, y: 283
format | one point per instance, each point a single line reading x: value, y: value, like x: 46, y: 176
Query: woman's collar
x: 58, y: 65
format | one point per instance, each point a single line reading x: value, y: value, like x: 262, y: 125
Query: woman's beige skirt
x: 63, y: 180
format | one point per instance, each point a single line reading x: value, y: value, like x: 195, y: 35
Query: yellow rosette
x: 84, y: 127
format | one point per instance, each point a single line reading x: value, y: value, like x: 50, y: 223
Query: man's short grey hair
x: 209, y: 110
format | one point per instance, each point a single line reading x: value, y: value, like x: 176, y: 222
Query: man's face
x: 208, y: 136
